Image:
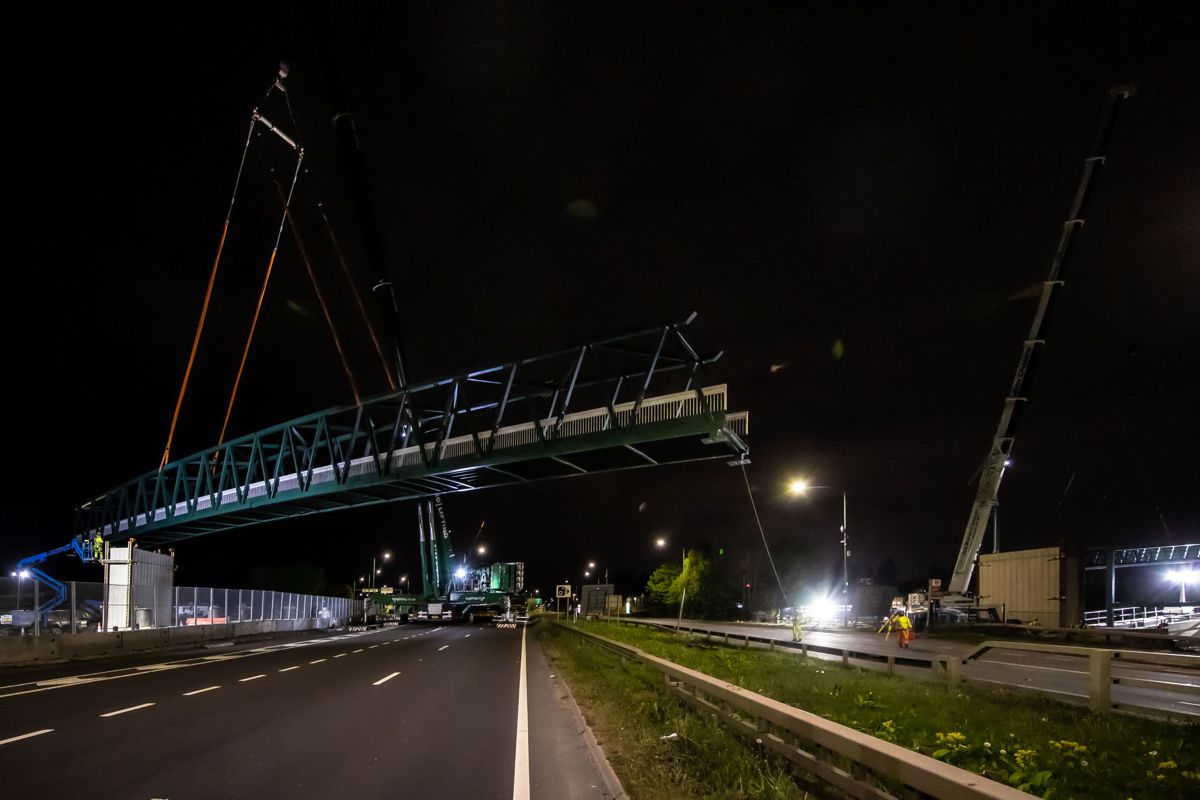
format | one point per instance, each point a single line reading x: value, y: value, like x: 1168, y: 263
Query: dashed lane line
x: 25, y: 736
x: 385, y: 680
x: 251, y: 678
x: 289, y: 669
x: 318, y: 661
x: 443, y: 647
x: 200, y: 691
x: 127, y: 710
x: 359, y: 650
x: 32, y: 687
x: 339, y: 655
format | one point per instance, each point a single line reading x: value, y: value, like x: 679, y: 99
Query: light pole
x: 1183, y: 577
x: 374, y: 570
x: 661, y: 544
x: 799, y: 486
x: 404, y: 583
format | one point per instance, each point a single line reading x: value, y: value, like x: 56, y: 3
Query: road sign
x: 562, y: 590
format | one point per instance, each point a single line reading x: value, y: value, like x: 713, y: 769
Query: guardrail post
x: 771, y: 645
x: 891, y: 665
x: 726, y: 638
x: 1100, y: 681
x: 845, y: 658
x: 747, y: 638
x: 804, y: 649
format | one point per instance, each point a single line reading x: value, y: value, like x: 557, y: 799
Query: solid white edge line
x: 200, y: 691
x: 289, y: 669
x: 385, y: 680
x: 521, y: 760
x: 25, y: 736
x: 251, y: 678
x: 126, y: 710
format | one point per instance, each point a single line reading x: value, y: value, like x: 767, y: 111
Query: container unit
x: 1039, y: 586
x: 137, y: 589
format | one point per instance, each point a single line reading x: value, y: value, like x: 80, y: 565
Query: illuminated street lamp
x: 481, y: 549
x: 660, y: 542
x: 375, y: 571
x: 1183, y: 577
x: 404, y: 583
x: 800, y: 486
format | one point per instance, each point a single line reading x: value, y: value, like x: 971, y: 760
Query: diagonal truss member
x: 626, y: 402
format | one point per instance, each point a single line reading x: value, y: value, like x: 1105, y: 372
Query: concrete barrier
x: 68, y: 647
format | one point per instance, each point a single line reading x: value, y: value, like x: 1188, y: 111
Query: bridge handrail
x: 763, y: 718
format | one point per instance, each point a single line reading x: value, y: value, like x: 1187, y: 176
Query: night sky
x: 860, y: 201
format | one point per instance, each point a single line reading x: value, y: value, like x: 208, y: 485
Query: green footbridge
x: 637, y: 400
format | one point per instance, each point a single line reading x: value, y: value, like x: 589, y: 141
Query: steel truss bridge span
x: 600, y: 407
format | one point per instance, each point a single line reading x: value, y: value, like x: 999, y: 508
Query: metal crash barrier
x: 856, y: 763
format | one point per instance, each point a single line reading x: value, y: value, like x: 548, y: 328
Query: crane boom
x: 997, y: 459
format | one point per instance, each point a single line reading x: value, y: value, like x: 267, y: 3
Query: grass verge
x: 1042, y: 746
x: 629, y: 713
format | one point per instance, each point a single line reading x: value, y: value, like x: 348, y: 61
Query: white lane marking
x: 25, y: 736
x: 385, y: 680
x: 251, y: 678
x: 389, y: 641
x: 32, y: 687
x: 372, y: 647
x: 1033, y: 666
x: 126, y: 710
x: 521, y: 760
x: 468, y: 636
x: 1181, y: 702
x: 201, y: 691
x: 318, y: 661
x: 443, y: 647
x: 359, y: 650
x: 289, y: 669
x: 339, y: 655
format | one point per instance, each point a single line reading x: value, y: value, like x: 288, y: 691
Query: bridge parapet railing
x: 856, y: 763
x: 1142, y: 616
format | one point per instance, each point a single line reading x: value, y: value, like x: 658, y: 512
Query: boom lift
x: 58, y: 590
x: 999, y: 456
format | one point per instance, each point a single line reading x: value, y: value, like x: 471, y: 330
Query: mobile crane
x: 470, y: 594
x: 999, y: 456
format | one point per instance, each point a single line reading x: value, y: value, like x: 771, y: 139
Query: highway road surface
x: 1063, y: 676
x: 411, y: 711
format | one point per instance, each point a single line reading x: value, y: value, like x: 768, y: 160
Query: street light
x: 1183, y: 577
x: 481, y: 549
x: 660, y: 542
x: 386, y: 555
x: 404, y: 582
x: 800, y: 486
